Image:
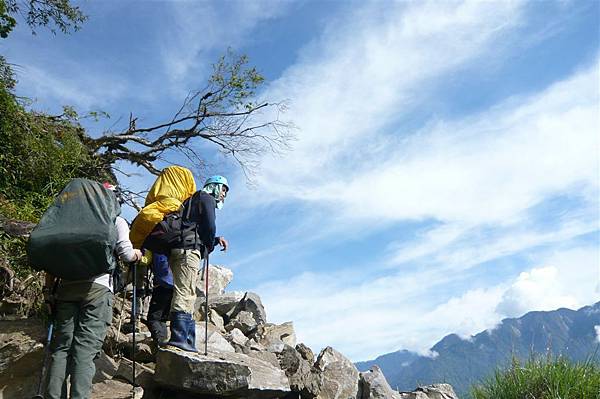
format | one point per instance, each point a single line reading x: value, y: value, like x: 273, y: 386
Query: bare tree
x: 223, y: 114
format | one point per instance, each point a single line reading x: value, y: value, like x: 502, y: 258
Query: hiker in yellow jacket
x: 197, y: 241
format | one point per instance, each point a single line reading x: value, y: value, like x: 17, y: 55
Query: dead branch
x: 222, y: 115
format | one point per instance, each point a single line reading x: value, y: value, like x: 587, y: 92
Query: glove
x: 49, y: 300
x: 146, y: 259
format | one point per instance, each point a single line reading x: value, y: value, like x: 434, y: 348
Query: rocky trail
x: 248, y: 357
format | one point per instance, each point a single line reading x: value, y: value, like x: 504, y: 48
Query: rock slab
x: 218, y: 278
x: 21, y: 356
x: 216, y: 342
x: 373, y: 385
x: 252, y: 303
x: 435, y: 391
x: 219, y: 375
x: 340, y: 376
x: 305, y: 380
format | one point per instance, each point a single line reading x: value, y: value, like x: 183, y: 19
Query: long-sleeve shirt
x: 199, y: 212
x: 123, y: 249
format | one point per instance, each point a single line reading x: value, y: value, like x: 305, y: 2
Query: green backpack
x: 76, y: 237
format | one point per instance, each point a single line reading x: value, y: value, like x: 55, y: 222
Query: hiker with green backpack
x: 77, y: 242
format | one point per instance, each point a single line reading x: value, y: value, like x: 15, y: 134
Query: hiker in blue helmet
x: 198, y: 239
x: 218, y: 187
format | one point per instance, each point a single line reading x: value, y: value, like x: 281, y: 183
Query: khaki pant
x: 184, y: 265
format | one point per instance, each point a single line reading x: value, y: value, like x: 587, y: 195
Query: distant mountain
x: 462, y: 362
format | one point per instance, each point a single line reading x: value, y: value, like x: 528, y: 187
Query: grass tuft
x: 543, y: 378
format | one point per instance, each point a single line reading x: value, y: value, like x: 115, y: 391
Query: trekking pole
x: 206, y: 265
x: 133, y: 312
x: 40, y: 391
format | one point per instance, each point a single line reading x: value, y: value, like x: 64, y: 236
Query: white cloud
x: 486, y: 169
x: 85, y: 89
x: 539, y: 289
x: 564, y: 279
x: 198, y: 29
x: 458, y: 248
x: 476, y: 178
x: 472, y: 312
x: 350, y: 89
x: 597, y: 329
x: 414, y: 309
x: 370, y: 69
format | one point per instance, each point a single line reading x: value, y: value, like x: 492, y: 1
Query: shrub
x: 39, y: 155
x: 543, y: 378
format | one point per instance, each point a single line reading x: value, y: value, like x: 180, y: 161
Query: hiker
x: 82, y: 314
x: 160, y: 302
x: 196, y: 242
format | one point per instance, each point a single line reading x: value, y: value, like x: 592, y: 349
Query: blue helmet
x: 213, y: 186
x: 217, y: 179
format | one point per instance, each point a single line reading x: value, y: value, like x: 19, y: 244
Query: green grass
x: 543, y: 378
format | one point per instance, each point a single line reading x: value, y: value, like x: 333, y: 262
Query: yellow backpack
x: 174, y: 185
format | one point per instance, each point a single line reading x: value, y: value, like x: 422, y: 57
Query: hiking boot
x: 180, y: 325
x: 191, y: 338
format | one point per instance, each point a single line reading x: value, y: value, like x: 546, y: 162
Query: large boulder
x: 304, y: 379
x: 265, y: 356
x: 219, y: 375
x: 215, y: 319
x: 435, y: 391
x: 373, y: 385
x: 143, y: 346
x: 275, y: 336
x: 250, y: 302
x: 237, y: 339
x: 243, y: 321
x: 216, y: 341
x: 223, y: 304
x: 306, y: 353
x: 106, y: 368
x: 340, y: 376
x: 115, y: 389
x: 21, y: 357
x: 218, y: 278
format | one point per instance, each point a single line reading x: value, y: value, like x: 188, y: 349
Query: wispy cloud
x: 508, y: 159
x: 196, y: 30
x: 368, y: 74
x: 464, y: 248
x: 480, y: 170
x: 88, y: 90
x: 361, y: 164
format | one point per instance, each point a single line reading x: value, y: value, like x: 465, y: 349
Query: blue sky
x: 446, y: 169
